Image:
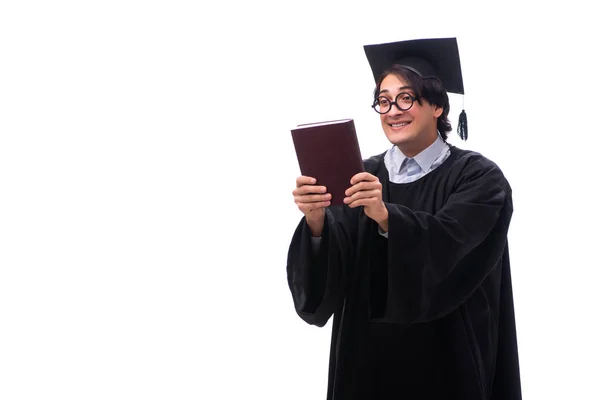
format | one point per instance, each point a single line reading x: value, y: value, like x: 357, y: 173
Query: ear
x: 437, y: 111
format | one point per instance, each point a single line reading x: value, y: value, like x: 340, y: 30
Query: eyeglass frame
x: 395, y: 102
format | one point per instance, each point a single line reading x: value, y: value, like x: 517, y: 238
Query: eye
x: 382, y: 101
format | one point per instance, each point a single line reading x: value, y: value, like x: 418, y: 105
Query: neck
x: 411, y: 150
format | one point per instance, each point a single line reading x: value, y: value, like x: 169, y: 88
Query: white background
x: 146, y: 170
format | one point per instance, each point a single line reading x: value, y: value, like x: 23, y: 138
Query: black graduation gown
x: 426, y: 313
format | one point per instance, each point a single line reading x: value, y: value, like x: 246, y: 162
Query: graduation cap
x: 428, y: 58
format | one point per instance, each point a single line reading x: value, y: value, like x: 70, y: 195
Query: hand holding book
x: 366, y: 191
x: 312, y: 199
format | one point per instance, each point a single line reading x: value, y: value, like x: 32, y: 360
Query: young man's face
x: 412, y: 130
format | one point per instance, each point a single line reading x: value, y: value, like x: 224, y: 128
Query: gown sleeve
x: 317, y: 280
x: 436, y: 261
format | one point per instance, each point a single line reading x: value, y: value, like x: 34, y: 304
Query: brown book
x: 329, y: 152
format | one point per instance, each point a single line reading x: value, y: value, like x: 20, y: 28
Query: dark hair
x: 428, y: 88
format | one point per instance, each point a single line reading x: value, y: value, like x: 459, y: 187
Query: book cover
x: 329, y: 151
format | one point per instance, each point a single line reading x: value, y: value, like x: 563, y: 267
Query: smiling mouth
x: 399, y: 124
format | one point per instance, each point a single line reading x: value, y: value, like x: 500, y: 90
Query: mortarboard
x: 427, y: 58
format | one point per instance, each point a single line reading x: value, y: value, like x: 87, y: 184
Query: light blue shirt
x: 429, y: 159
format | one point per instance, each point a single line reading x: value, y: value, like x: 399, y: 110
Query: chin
x: 400, y: 138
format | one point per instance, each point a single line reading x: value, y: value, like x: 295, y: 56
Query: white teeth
x: 399, y: 125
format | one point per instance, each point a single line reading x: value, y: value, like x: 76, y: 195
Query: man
x: 414, y: 267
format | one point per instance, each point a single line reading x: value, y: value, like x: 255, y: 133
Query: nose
x: 397, y: 110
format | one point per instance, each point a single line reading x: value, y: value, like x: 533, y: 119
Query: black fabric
x: 437, y: 57
x: 426, y: 313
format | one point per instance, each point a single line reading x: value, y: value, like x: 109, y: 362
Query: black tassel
x: 462, y: 128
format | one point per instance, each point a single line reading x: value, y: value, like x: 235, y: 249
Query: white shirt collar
x: 425, y: 158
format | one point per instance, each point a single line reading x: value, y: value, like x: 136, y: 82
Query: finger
x: 308, y: 207
x: 363, y: 194
x: 362, y: 176
x: 312, y: 198
x: 305, y: 180
x: 309, y: 189
x: 361, y: 186
x: 362, y: 202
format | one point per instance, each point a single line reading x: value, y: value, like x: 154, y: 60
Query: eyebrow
x: 400, y: 88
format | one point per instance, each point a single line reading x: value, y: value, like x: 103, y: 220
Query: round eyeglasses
x: 404, y: 101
